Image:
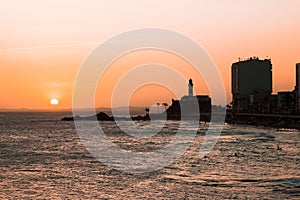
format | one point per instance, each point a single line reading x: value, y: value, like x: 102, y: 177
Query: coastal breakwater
x: 101, y: 116
x: 268, y: 120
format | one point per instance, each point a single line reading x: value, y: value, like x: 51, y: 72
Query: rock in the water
x: 67, y: 119
x: 104, y: 117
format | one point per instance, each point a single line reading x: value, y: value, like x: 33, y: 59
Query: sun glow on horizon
x: 54, y: 101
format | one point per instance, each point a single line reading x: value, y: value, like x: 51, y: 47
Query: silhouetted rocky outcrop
x: 104, y: 117
x: 71, y: 118
x: 100, y: 116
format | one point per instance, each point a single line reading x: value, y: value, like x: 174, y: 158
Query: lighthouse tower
x: 191, y: 93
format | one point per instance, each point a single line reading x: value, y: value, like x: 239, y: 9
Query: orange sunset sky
x: 44, y: 42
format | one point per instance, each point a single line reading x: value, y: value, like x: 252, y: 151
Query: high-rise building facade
x: 251, y: 85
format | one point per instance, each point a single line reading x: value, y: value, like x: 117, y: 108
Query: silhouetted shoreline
x: 273, y: 121
x: 101, y: 116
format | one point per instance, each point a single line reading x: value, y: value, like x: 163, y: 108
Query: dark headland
x: 191, y: 106
x: 203, y: 102
x: 273, y: 121
x: 187, y: 107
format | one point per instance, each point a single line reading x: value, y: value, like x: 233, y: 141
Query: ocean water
x: 42, y: 157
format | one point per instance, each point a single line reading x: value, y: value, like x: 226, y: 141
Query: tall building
x: 286, y: 102
x: 298, y: 87
x: 251, y: 85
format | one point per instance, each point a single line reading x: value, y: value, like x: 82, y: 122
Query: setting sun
x: 54, y: 101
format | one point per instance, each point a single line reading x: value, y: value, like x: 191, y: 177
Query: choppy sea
x: 42, y: 157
